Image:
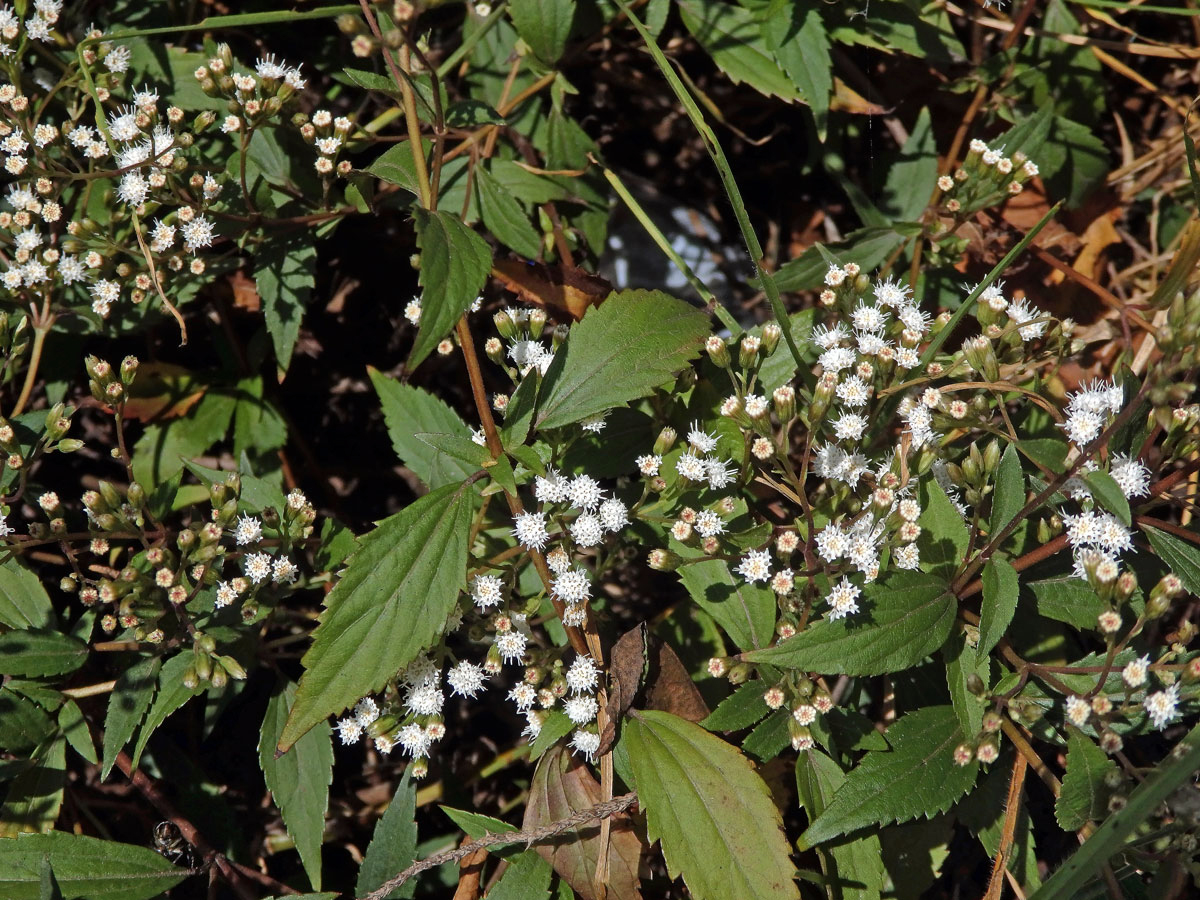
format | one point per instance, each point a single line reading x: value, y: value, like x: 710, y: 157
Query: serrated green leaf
x: 48, y: 889
x: 457, y: 447
x: 961, y: 664
x: 35, y: 796
x: 471, y: 114
x: 858, y: 868
x: 390, y: 604
x: 85, y: 867
x: 1069, y: 600
x: 944, y: 537
x: 902, y: 621
x: 1176, y: 769
x: 866, y: 247
x: 1182, y: 557
x: 34, y: 652
x: 556, y: 726
x: 622, y: 349
x: 1108, y: 494
x: 23, y: 724
x: 1008, y: 496
x: 504, y: 217
x: 455, y: 262
x: 24, y: 603
x: 518, y: 418
x: 526, y: 878
x: 910, y: 180
x: 769, y: 736
x: 393, y: 846
x: 746, y: 612
x: 1000, y: 591
x: 731, y: 36
x: 407, y: 411
x: 299, y: 779
x: 1084, y: 796
x: 285, y: 274
x: 917, y: 777
x: 713, y: 814
x: 75, y: 729
x: 778, y: 368
x: 544, y: 25
x: 476, y: 825
x: 171, y: 695
x: 796, y: 35
x: 739, y: 710
x: 1048, y: 452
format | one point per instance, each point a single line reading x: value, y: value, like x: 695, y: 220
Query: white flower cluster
x: 699, y: 463
x: 327, y: 134
x: 415, y: 724
x: 523, y: 330
x: 38, y: 27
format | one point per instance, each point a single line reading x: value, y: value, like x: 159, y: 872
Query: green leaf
x: 769, y: 736
x: 1108, y: 494
x: 393, y: 846
x: 731, y: 36
x: 48, y: 889
x: 544, y: 25
x: 257, y: 423
x: 713, y: 814
x: 160, y: 451
x: 739, y: 710
x: 1000, y: 591
x: 961, y: 664
x: 455, y: 262
x: 1069, y: 600
x: 1163, y: 780
x: 407, y: 411
x: 867, y: 247
x: 504, y: 217
x: 298, y: 780
x: 389, y: 605
x: 34, y: 652
x: 172, y: 694
x: 556, y: 726
x: 526, y: 878
x: 75, y: 728
x: 518, y: 418
x: 457, y: 447
x: 1182, y: 557
x: 471, y: 114
x: 1008, y: 495
x: 796, y: 35
x: 944, y: 537
x: 285, y: 274
x: 778, y: 368
x: 917, y: 777
x: 858, y: 863
x: 24, y: 603
x: 36, y: 795
x: 623, y: 349
x: 85, y: 867
x: 746, y: 612
x: 23, y: 724
x: 476, y: 825
x: 903, y: 620
x: 395, y: 165
x: 1047, y: 452
x: 910, y: 180
x: 1084, y: 796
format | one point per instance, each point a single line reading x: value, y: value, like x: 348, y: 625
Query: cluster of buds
x: 108, y: 386
x: 522, y: 347
x: 327, y: 134
x: 208, y: 667
x: 250, y: 100
x: 984, y: 179
x: 20, y: 451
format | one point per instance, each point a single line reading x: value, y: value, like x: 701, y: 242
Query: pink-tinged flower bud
x: 665, y: 441
x: 718, y: 666
x: 718, y: 351
x: 771, y: 333
x: 963, y: 754
x: 663, y: 560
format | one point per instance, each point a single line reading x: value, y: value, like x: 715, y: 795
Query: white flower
x: 649, y: 464
x: 853, y: 391
x: 828, y: 337
x: 582, y: 709
x: 162, y: 237
x: 511, y: 645
x: 701, y: 440
x: 586, y: 743
x: 197, y: 233
x: 414, y: 740
x: 573, y: 586
x: 832, y: 543
x: 709, y: 523
x: 1022, y: 312
x: 849, y: 427
x: 117, y: 59
x: 613, y: 514
x: 583, y: 674
x: 248, y: 530
x: 843, y: 599
x: 1078, y: 711
x: 412, y: 311
x: 891, y: 293
x: 755, y: 566
x: 366, y: 711
x: 720, y: 474
x: 124, y: 128
x: 1131, y: 475
x: 836, y: 359
x: 690, y: 466
x: 1135, y: 671
x: 593, y: 423
x: 1162, y: 706
x: 283, y: 571
x: 530, y: 530
x: 587, y: 530
x: 425, y: 700
x: 524, y: 696
x: 258, y: 567
x: 267, y: 68
x: 907, y: 557
x: 868, y: 318
x: 349, y: 731
x: 585, y: 492
x: 487, y: 591
x: 225, y: 594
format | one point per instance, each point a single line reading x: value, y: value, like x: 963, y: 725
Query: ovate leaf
x: 1008, y: 496
x: 393, y: 847
x: 796, y: 35
x: 409, y: 411
x: 544, y: 25
x: 623, y: 349
x: 455, y: 262
x: 85, y: 867
x: 390, y: 604
x: 298, y: 780
x: 731, y: 36
x: 504, y: 217
x: 526, y: 878
x: 713, y: 814
x: 35, y: 796
x: 1108, y: 494
x: 24, y: 603
x: 911, y: 177
x: 1000, y: 591
x: 901, y: 622
x: 1182, y: 557
x: 34, y: 652
x: 171, y: 695
x: 1069, y: 600
x: 917, y: 777
x: 127, y: 704
x: 944, y: 538
x: 741, y: 709
x: 561, y: 786
x: 745, y: 611
x: 285, y: 273
x: 1084, y: 796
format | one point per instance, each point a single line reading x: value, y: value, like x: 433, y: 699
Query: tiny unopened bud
x: 718, y: 351
x: 665, y: 441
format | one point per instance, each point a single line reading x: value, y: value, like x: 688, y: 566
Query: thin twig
x: 528, y: 837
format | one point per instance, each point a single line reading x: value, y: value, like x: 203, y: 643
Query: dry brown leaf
x: 162, y: 391
x: 245, y: 292
x: 566, y: 288
x: 561, y: 786
x: 670, y: 687
x: 627, y: 663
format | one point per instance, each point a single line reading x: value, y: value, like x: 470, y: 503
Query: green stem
x: 727, y: 180
x: 35, y: 358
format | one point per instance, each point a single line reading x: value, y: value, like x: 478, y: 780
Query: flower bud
x: 822, y: 397
x: 505, y: 325
x: 718, y: 351
x: 748, y: 351
x: 771, y: 334
x: 785, y: 402
x: 663, y: 560
x: 665, y: 441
